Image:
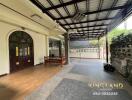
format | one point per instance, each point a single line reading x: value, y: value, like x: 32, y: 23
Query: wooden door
x: 21, y: 51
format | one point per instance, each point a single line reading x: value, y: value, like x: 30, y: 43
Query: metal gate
x: 92, y: 52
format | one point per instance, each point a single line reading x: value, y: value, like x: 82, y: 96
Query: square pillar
x: 98, y: 48
x: 66, y: 36
x: 107, y: 48
x: 60, y: 49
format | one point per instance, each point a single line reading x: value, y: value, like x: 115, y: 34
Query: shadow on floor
x: 7, y: 93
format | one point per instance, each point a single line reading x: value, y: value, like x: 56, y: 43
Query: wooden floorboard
x: 17, y: 85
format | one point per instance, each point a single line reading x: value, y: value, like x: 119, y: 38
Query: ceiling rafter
x: 90, y: 21
x: 114, y: 4
x: 99, y: 23
x: 98, y: 11
x: 92, y: 29
x: 79, y: 37
x: 62, y: 4
x: 77, y: 10
x: 56, y: 10
x: 66, y: 10
x: 90, y: 26
x: 83, y: 37
x: 99, y: 8
x: 87, y: 9
x: 40, y: 6
x: 85, y: 32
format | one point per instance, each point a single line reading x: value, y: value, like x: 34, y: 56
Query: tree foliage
x: 112, y: 34
x: 116, y: 32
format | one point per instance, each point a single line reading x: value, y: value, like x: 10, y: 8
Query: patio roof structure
x: 86, y: 19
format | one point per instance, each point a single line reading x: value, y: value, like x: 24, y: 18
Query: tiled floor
x: 83, y: 70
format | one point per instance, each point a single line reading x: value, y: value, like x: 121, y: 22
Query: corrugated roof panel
x: 71, y: 9
x: 53, y: 12
x: 66, y: 1
x: 94, y: 31
x: 45, y: 3
x: 80, y: 32
x: 84, y: 19
x: 55, y: 2
x: 80, y: 29
x: 102, y: 15
x: 84, y: 24
x: 68, y: 20
x: 91, y: 23
x: 107, y: 22
x: 78, y: 25
x: 67, y: 26
x: 82, y: 6
x: 62, y: 21
x: 62, y: 11
x: 93, y: 6
x: 121, y: 2
x: 99, y: 22
x: 85, y: 28
x: 90, y: 28
x: 113, y: 13
x: 107, y: 4
x: 103, y: 26
x: 89, y: 34
x: 72, y: 26
x: 92, y: 16
x: 97, y: 27
x: 98, y: 31
x: 90, y: 31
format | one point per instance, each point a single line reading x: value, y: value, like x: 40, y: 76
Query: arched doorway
x: 20, y: 50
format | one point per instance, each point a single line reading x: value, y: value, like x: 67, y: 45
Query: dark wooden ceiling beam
x: 98, y: 11
x: 89, y: 21
x: 100, y: 29
x: 79, y: 37
x: 62, y: 4
x: 82, y: 39
x: 41, y: 7
x: 91, y: 31
x: 89, y: 26
x: 85, y: 33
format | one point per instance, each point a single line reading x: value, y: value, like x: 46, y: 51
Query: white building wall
x: 17, y: 14
x: 40, y: 46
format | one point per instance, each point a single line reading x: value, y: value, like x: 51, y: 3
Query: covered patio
x: 52, y: 26
x: 86, y: 19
